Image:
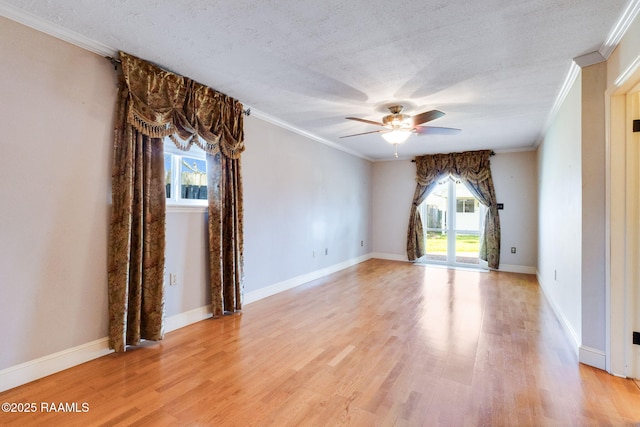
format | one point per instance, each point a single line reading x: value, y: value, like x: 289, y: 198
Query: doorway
x: 453, y: 222
x: 623, y: 226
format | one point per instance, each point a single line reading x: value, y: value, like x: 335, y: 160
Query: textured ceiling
x: 494, y: 67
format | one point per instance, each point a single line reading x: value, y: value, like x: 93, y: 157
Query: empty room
x: 306, y: 213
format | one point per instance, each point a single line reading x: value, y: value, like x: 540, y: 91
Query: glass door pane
x: 434, y: 213
x: 468, y: 224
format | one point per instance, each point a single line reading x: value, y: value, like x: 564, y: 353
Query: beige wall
x: 593, y: 206
x: 560, y: 214
x: 57, y: 108
x: 307, y: 205
x: 394, y: 183
x: 516, y: 183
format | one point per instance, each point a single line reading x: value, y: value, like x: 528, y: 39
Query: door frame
x: 452, y: 230
x: 622, y: 210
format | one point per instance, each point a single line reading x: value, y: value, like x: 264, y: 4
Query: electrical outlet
x: 326, y: 251
x: 361, y: 243
x: 513, y: 249
x: 173, y: 279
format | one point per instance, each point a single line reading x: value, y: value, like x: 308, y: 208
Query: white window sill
x: 171, y: 208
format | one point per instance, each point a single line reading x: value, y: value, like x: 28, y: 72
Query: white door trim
x: 621, y: 214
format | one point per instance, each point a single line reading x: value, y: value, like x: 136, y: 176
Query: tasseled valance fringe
x: 232, y: 152
x: 208, y: 147
x: 152, y: 130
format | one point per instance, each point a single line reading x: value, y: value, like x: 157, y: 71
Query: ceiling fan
x: 398, y: 127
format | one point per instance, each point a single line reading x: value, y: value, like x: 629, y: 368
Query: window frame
x: 176, y: 202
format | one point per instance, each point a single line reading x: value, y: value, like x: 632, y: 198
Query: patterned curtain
x: 473, y: 169
x: 153, y: 104
x: 225, y: 233
x: 137, y: 237
x: 429, y: 170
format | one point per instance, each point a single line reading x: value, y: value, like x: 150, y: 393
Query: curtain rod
x: 115, y: 62
x: 493, y: 153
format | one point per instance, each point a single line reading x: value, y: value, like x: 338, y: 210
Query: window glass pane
x: 193, y: 178
x: 470, y: 206
x: 167, y: 173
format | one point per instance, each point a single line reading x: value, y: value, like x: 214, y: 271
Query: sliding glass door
x: 452, y: 219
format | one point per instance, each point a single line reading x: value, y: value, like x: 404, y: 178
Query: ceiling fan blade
x: 427, y: 116
x: 371, y: 122
x: 434, y: 130
x: 364, y: 133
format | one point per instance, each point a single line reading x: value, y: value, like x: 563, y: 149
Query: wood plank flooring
x: 380, y: 344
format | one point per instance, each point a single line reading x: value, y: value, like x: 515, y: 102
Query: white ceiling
x: 495, y: 67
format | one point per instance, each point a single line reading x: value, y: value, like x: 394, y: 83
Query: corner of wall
x: 568, y: 330
x: 592, y: 357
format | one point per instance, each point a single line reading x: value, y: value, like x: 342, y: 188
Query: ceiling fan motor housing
x: 397, y: 121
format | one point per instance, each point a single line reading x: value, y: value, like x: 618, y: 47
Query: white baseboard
x: 564, y: 322
x: 56, y: 362
x: 390, y: 257
x: 592, y: 357
x: 181, y: 320
x: 267, y: 291
x: 503, y: 267
x: 44, y: 366
x: 524, y: 269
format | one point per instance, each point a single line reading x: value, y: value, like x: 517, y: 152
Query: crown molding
x: 55, y: 30
x: 516, y: 150
x: 572, y: 75
x: 631, y: 69
x: 589, y: 59
x: 619, y: 30
x: 281, y: 123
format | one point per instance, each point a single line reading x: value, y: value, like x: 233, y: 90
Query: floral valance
x: 468, y: 165
x: 166, y: 104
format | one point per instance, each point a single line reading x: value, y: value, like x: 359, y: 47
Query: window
x: 185, y: 176
x: 465, y: 205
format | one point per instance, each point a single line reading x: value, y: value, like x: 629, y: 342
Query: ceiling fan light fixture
x: 397, y: 136
x: 397, y: 121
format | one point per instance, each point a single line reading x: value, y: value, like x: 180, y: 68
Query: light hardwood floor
x: 380, y: 344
